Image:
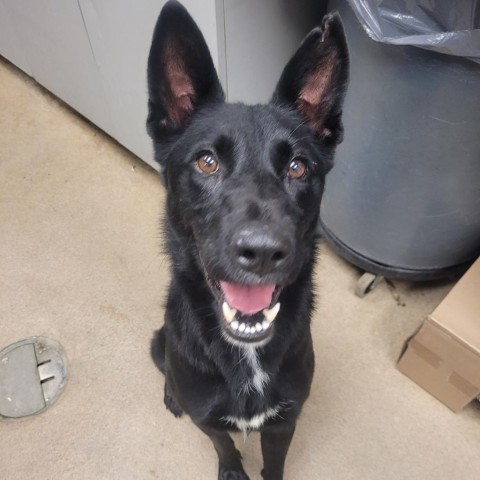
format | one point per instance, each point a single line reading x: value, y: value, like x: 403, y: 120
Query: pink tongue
x: 249, y: 299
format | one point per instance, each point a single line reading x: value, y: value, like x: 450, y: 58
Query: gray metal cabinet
x: 93, y: 53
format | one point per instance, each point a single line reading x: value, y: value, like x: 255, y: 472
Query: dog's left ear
x: 315, y: 79
x: 181, y: 74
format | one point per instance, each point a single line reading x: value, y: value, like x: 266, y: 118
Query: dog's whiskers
x: 296, y: 128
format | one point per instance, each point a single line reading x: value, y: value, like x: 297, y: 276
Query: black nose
x: 259, y: 249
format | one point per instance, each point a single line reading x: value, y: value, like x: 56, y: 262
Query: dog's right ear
x: 181, y: 74
x: 315, y: 80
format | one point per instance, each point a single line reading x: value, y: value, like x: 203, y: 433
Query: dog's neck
x: 236, y: 362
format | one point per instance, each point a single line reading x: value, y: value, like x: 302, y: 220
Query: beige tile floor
x: 80, y: 262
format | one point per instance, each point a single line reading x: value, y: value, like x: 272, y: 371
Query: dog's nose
x: 258, y: 249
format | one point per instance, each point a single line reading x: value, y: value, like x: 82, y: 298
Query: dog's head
x: 245, y: 182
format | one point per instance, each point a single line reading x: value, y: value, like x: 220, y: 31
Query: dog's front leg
x: 275, y: 443
x: 229, y: 458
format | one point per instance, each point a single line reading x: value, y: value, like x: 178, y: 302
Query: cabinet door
x: 51, y: 34
x: 260, y: 38
x: 120, y: 33
x: 10, y: 41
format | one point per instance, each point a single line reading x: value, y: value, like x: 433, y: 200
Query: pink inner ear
x: 181, y: 105
x: 313, y: 100
x: 182, y: 94
x: 316, y: 86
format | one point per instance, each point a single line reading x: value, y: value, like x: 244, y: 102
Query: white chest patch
x: 259, y: 377
x: 253, y: 423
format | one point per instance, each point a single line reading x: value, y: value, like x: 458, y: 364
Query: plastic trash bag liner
x: 446, y: 26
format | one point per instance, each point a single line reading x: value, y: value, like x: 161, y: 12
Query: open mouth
x: 249, y: 311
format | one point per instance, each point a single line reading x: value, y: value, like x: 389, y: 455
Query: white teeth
x: 250, y: 329
x: 271, y: 313
x: 228, y: 313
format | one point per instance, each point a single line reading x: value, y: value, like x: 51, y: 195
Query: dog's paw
x: 272, y: 476
x: 157, y: 349
x: 224, y: 474
x: 171, y: 404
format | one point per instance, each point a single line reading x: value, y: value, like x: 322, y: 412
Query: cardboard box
x: 443, y: 356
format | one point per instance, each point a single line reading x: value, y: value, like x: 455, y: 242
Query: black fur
x: 250, y: 222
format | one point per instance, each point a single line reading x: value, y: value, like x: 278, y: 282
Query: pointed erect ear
x: 181, y: 74
x: 315, y: 79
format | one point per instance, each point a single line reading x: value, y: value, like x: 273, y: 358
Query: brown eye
x: 206, y: 163
x: 297, y: 169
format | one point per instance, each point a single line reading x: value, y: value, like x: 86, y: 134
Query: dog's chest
x: 256, y: 378
x: 252, y: 423
x: 254, y: 382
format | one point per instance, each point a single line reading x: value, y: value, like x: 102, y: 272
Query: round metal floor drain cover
x: 33, y: 374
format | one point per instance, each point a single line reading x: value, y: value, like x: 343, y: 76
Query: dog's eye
x: 297, y: 169
x: 206, y: 163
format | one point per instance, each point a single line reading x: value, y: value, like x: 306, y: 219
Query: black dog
x: 244, y: 185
